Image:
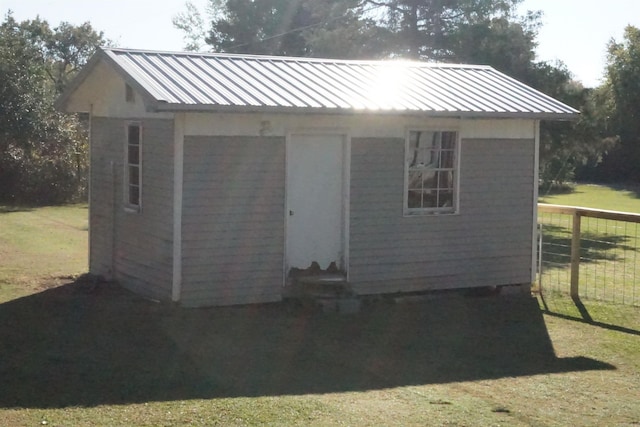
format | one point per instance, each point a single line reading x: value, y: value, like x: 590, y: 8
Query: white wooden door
x: 315, y: 200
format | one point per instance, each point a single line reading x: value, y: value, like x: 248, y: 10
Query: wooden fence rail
x: 576, y: 214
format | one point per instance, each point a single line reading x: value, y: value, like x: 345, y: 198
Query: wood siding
x: 134, y: 248
x: 487, y: 243
x: 233, y: 220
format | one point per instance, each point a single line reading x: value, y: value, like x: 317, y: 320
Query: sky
x: 575, y: 32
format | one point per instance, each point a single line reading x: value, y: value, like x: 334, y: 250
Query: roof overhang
x: 208, y: 108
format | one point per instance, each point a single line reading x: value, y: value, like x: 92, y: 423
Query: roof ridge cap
x: 371, y: 62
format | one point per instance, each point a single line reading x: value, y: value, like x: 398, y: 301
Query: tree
x: 191, y: 23
x: 620, y: 105
x: 344, y: 29
x: 566, y: 147
x: 428, y: 29
x: 261, y: 27
x: 247, y: 26
x: 504, y: 43
x: 67, y: 49
x: 43, y: 152
x: 22, y: 87
x: 330, y: 28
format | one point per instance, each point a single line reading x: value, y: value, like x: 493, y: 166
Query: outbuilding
x: 215, y: 177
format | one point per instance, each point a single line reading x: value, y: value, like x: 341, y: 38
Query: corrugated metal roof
x: 196, y: 81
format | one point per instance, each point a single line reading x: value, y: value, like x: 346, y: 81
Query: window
x: 431, y: 172
x: 133, y: 166
x: 129, y: 95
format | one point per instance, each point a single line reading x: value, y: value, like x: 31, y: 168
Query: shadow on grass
x: 13, y: 209
x: 78, y: 345
x: 630, y: 187
x: 9, y: 208
x: 594, y: 247
x: 556, y: 189
x: 585, y: 317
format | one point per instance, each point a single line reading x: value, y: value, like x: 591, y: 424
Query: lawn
x: 624, y: 198
x: 76, y: 353
x: 610, y: 260
x: 41, y: 247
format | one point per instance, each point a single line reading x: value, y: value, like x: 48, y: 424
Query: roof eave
x: 214, y: 108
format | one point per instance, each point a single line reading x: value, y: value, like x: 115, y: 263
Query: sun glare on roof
x: 389, y: 86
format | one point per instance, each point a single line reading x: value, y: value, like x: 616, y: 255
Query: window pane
x: 415, y: 180
x: 446, y: 159
x: 134, y: 175
x: 414, y: 199
x: 423, y: 149
x: 445, y: 199
x: 429, y: 179
x: 448, y: 140
x: 134, y: 155
x: 430, y: 158
x: 430, y: 199
x: 412, y: 152
x: 134, y: 195
x: 134, y: 135
x: 445, y: 180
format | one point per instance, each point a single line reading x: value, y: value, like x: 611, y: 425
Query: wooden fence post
x: 575, y: 255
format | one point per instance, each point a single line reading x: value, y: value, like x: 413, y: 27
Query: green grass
x: 610, y: 267
x: 79, y: 354
x: 98, y: 355
x: 41, y: 247
x: 624, y: 198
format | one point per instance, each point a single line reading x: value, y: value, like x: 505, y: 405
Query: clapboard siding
x: 260, y: 292
x: 488, y: 242
x: 138, y: 251
x: 440, y: 224
x: 101, y: 203
x: 431, y: 282
x: 236, y: 205
x: 233, y: 220
x: 198, y: 255
x: 437, y: 244
x: 490, y: 266
x: 420, y: 229
x: 428, y: 256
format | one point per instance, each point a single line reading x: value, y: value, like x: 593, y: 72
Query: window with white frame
x: 133, y: 166
x: 431, y: 170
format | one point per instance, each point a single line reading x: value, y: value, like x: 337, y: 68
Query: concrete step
x: 318, y: 286
x: 330, y: 291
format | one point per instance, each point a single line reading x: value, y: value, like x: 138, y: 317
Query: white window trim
x: 128, y: 207
x: 413, y: 212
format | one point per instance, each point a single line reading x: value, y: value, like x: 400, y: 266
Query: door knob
x: 290, y: 213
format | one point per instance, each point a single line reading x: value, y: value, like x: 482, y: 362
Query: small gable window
x: 133, y: 167
x: 129, y: 95
x: 431, y: 172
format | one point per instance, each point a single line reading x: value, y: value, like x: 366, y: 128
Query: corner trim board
x: 178, y: 178
x: 536, y: 177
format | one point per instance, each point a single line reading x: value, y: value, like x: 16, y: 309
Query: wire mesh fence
x: 601, y: 262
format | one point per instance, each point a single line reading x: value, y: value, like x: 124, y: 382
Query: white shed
x: 215, y: 176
